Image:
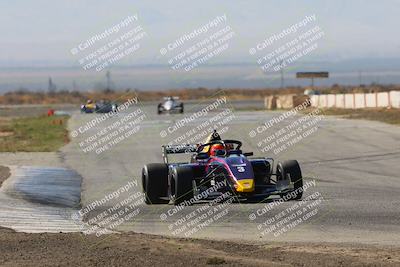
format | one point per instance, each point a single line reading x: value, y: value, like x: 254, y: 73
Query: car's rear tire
x: 181, y: 184
x: 155, y: 183
x: 290, y: 169
x: 159, y: 108
x: 181, y: 111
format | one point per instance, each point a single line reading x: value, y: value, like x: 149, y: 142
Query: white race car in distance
x: 170, y: 105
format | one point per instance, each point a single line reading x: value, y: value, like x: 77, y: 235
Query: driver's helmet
x: 214, y: 148
x: 214, y: 136
x: 89, y: 101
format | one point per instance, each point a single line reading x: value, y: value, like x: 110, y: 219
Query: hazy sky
x: 44, y: 31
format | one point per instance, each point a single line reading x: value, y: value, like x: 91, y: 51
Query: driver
x: 214, y: 148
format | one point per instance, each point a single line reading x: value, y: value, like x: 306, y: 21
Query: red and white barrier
x: 370, y: 100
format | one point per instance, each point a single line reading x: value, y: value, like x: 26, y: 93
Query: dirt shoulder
x: 21, y: 249
x: 4, y: 174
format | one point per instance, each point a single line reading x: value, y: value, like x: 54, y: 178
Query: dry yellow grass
x: 391, y: 116
x: 26, y: 97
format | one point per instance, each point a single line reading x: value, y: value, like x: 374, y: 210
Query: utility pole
x: 108, y: 76
x: 51, y: 87
x: 282, y: 78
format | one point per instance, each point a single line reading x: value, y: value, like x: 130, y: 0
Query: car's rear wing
x: 171, y: 97
x: 177, y: 149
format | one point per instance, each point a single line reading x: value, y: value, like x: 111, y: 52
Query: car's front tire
x: 159, y: 109
x: 181, y: 185
x: 155, y: 183
x: 290, y: 169
x: 83, y: 109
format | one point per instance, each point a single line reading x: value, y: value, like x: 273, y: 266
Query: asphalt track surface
x: 354, y: 164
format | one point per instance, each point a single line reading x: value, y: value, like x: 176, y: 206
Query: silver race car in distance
x: 170, y: 105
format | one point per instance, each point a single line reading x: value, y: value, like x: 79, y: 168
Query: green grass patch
x: 33, y: 134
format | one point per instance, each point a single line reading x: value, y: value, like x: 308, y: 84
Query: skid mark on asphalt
x: 357, y: 158
x: 40, y: 199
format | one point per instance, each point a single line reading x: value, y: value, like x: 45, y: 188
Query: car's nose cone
x: 245, y: 185
x: 168, y: 105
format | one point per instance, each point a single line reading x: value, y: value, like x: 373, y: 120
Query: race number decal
x: 240, y: 169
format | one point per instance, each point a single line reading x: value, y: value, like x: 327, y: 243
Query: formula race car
x: 170, y: 105
x: 103, y: 106
x: 89, y: 107
x: 215, y: 168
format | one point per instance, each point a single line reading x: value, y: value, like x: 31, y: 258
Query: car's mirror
x: 235, y: 152
x: 202, y: 155
x: 248, y: 154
